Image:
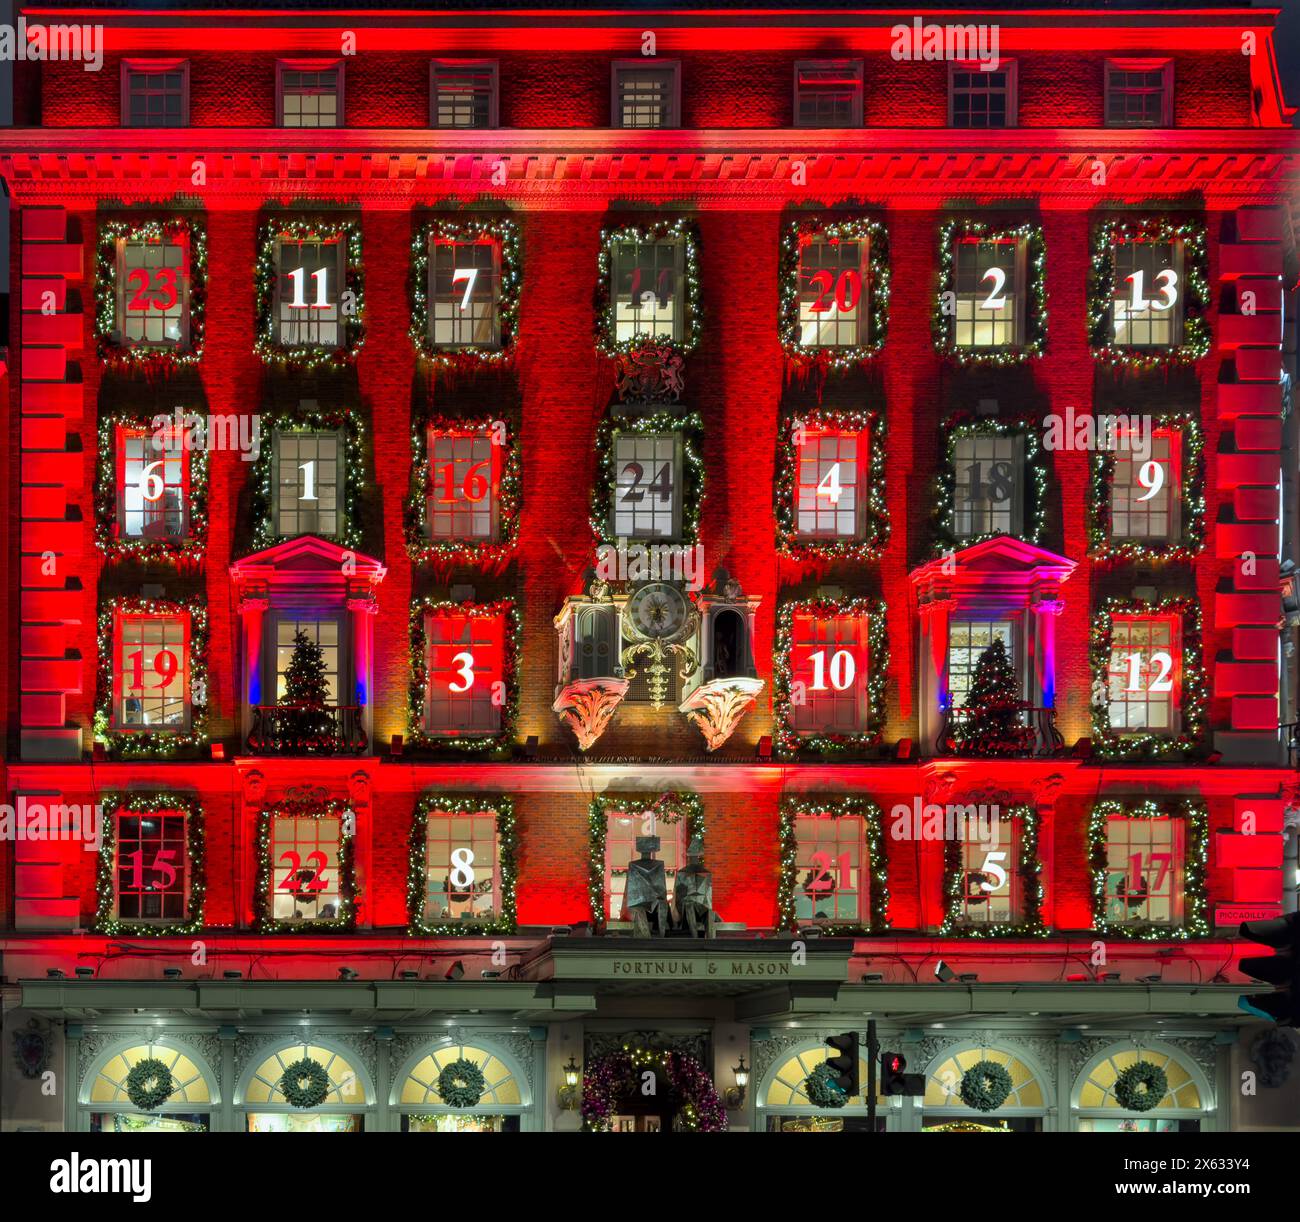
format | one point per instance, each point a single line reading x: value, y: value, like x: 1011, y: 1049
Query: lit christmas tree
x: 307, y: 690
x: 993, y: 724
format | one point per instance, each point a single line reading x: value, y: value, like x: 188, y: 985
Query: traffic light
x: 1281, y: 969
x: 844, y: 1065
x: 894, y: 1080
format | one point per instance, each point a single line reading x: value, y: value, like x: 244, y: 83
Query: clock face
x: 658, y: 611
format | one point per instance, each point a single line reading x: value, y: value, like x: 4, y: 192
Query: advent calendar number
x: 847, y: 288
x: 464, y: 662
x: 161, y: 282
x: 297, y: 277
x: 1166, y: 285
x: 823, y: 873
x: 165, y: 664
x: 1152, y: 478
x: 294, y: 879
x: 662, y: 483
x: 997, y: 298
x: 162, y: 865
x: 462, y: 868
x: 474, y: 487
x: 842, y: 668
x: 1161, y: 682
x: 999, y: 486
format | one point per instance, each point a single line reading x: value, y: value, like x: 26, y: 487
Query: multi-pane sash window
x: 155, y: 94
x: 151, y: 681
x: 462, y: 868
x: 967, y: 640
x: 831, y: 878
x: 310, y: 95
x: 1143, y: 676
x: 830, y: 490
x: 463, y: 94
x: 153, y: 292
x: 464, y: 290
x: 646, y: 94
x: 988, y: 484
x: 989, y: 279
x: 307, y: 292
x: 323, y: 632
x: 621, y: 830
x: 153, y: 482
x: 989, y: 890
x: 464, y: 477
x: 306, y: 883
x: 307, y: 484
x: 1144, y: 870
x: 832, y: 293
x: 1138, y: 94
x: 982, y: 99
x: 1147, y: 301
x: 648, y: 283
x: 1145, y: 491
x: 647, y: 485
x: 828, y: 658
x: 151, y: 867
x: 828, y: 93
x: 465, y: 691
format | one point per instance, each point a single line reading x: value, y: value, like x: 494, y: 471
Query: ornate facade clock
x: 657, y: 619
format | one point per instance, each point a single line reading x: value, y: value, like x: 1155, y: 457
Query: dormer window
x: 309, y: 93
x: 982, y: 99
x: 1139, y: 93
x: 646, y: 93
x: 828, y: 93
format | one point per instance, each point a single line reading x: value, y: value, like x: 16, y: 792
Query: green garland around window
x: 1029, y: 865
x: 985, y: 1086
x: 305, y: 1083
x: 876, y: 526
x: 792, y: 809
x: 161, y: 743
x: 1034, y: 479
x: 503, y: 807
x: 605, y: 303
x: 308, y: 420
x: 834, y: 229
x: 1141, y: 1086
x: 115, y: 804
x: 690, y: 484
x: 498, y: 741
x: 149, y: 1084
x: 788, y: 742
x: 309, y: 356
x: 113, y: 350
x: 1195, y: 817
x: 1190, y: 741
x: 467, y: 228
x: 115, y: 546
x: 328, y: 808
x: 1195, y: 290
x: 421, y: 548
x: 1035, y: 298
x: 1102, y: 546
x: 669, y: 808
x: 461, y: 1084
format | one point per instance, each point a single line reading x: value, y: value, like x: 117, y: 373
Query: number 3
x: 465, y: 662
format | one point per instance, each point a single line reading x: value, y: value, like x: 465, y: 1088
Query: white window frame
x: 183, y: 867
x: 1019, y: 474
x: 850, y: 66
x: 804, y: 851
x: 1165, y: 67
x: 1177, y: 871
x: 672, y: 66
x: 442, y: 820
x: 678, y: 485
x: 310, y: 65
x: 339, y: 321
x: 1011, y: 67
x: 340, y: 483
x: 494, y: 97
x: 130, y: 66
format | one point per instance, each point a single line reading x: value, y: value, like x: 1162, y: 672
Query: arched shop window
x: 106, y: 1092
x: 1100, y: 1089
x: 785, y: 1107
x: 347, y: 1099
x: 945, y: 1110
x: 503, y: 1097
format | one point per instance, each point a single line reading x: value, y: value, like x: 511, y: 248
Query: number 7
x: 469, y: 275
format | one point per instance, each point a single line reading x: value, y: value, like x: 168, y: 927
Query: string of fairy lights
x: 448, y: 806
x: 852, y: 806
x: 668, y: 808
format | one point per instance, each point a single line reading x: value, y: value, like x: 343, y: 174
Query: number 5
x: 991, y: 866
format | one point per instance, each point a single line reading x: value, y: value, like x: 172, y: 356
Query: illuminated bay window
x: 153, y: 291
x: 981, y: 99
x: 833, y: 293
x: 462, y: 866
x: 151, y: 681
x: 828, y: 93
x: 831, y: 876
x: 646, y: 93
x: 989, y: 278
x: 309, y: 275
x: 309, y: 94
x: 1145, y: 863
x: 647, y: 286
x: 153, y: 483
x: 647, y: 492
x: 1142, y: 688
x: 151, y: 867
x: 1147, y: 294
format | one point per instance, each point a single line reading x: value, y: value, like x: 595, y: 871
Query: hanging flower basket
x: 821, y: 1090
x: 149, y: 1084
x: 985, y: 1086
x: 305, y: 1083
x: 1141, y: 1086
x: 461, y: 1084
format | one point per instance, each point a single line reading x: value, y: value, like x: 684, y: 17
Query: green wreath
x: 822, y: 1090
x: 305, y: 1083
x: 149, y: 1084
x: 1141, y: 1087
x: 985, y: 1086
x: 461, y: 1084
